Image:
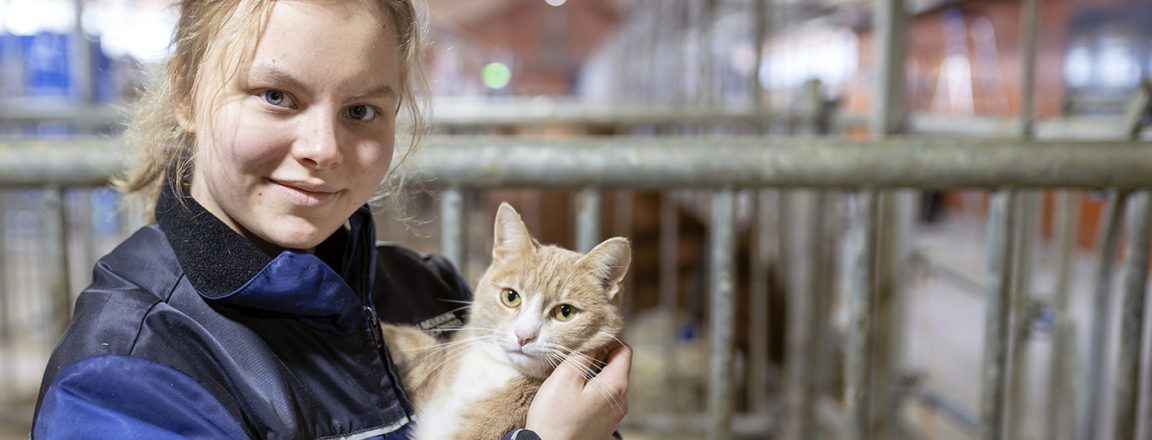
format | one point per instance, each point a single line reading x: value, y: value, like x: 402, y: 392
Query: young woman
x: 251, y: 308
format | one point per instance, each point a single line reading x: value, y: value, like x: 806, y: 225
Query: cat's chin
x: 528, y: 364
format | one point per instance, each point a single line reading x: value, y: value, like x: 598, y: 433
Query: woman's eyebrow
x: 275, y: 75
x: 383, y: 90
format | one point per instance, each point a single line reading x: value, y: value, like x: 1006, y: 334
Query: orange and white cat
x: 534, y: 307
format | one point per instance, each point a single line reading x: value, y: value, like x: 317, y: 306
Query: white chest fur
x: 478, y: 375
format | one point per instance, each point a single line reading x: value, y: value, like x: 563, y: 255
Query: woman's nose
x: 318, y: 145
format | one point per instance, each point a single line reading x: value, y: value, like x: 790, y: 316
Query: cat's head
x: 537, y: 304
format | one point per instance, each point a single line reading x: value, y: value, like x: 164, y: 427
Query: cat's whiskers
x: 614, y: 338
x: 457, y: 301
x: 589, y: 374
x: 570, y: 352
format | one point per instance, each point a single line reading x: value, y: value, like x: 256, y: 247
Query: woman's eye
x: 564, y: 312
x: 278, y: 98
x: 510, y: 298
x: 361, y: 112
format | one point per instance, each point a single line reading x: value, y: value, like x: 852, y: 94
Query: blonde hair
x: 166, y: 151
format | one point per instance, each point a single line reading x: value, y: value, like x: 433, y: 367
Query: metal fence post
x: 858, y: 341
x: 1132, y: 317
x: 588, y: 207
x: 998, y: 314
x: 1061, y: 397
x: 758, y: 305
x: 669, y: 274
x: 1090, y: 410
x: 889, y: 24
x: 721, y: 321
x: 800, y: 244
x: 452, y: 227
x: 58, y: 271
x: 6, y: 327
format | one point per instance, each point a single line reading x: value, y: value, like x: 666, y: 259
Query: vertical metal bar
x: 57, y: 256
x: 1090, y: 407
x: 721, y: 321
x: 862, y: 288
x: 800, y: 245
x: 452, y: 227
x: 1063, y: 345
x: 998, y: 313
x: 1132, y: 316
x: 759, y: 28
x: 669, y: 273
x: 1029, y: 14
x: 1029, y: 227
x: 1022, y: 263
x: 623, y: 227
x: 6, y: 330
x: 588, y: 203
x: 705, y: 86
x: 81, y: 69
x: 758, y: 307
x: 888, y: 24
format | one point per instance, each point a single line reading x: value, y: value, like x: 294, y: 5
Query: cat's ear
x: 510, y: 236
x: 609, y: 262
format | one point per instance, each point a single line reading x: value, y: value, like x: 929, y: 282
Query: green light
x: 496, y: 75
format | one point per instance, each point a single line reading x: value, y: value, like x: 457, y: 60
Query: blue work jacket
x: 189, y: 331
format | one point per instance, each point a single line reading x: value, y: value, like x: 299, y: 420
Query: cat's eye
x: 564, y: 312
x: 510, y: 298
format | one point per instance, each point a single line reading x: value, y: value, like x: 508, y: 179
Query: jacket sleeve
x: 122, y: 397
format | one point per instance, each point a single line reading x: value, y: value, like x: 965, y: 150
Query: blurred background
x: 743, y: 301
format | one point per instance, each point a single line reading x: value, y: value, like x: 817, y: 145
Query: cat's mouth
x: 524, y: 356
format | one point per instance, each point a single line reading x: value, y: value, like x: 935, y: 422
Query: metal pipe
x: 58, y: 270
x: 1029, y: 227
x: 862, y: 289
x: 721, y: 321
x: 588, y: 204
x: 623, y: 227
x: 669, y: 273
x: 1109, y: 236
x: 758, y: 305
x: 886, y: 118
x: 1132, y: 316
x: 998, y: 314
x: 687, y: 162
x: 800, y: 248
x: 6, y: 328
x: 1029, y: 14
x: 888, y: 28
x: 705, y: 87
x: 1063, y: 344
x: 452, y: 243
x: 82, y: 68
x: 1023, y: 263
x: 759, y: 28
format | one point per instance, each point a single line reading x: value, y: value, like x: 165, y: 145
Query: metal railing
x: 726, y: 166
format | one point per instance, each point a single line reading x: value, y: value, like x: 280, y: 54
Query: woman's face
x: 302, y: 136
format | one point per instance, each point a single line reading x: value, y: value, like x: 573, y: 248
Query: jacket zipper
x: 378, y: 339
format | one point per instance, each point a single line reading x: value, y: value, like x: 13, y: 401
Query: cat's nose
x: 525, y: 339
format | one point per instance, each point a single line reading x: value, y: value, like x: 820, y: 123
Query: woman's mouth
x: 306, y: 194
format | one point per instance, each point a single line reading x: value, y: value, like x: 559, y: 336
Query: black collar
x: 328, y: 290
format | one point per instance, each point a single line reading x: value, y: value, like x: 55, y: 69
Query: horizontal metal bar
x: 688, y: 162
x: 534, y: 112
x: 62, y: 110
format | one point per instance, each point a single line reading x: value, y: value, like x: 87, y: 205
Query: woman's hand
x: 570, y: 407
